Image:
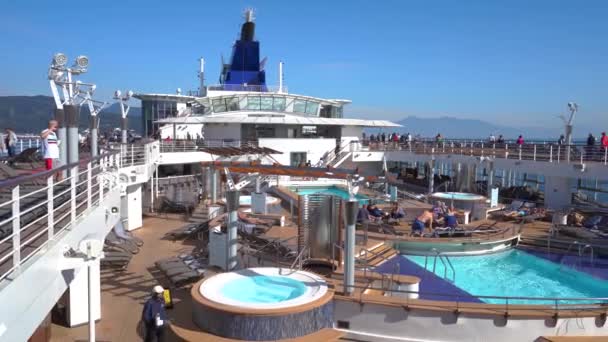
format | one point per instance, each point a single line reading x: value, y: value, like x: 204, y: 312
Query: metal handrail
x: 596, y: 302
x: 299, y: 260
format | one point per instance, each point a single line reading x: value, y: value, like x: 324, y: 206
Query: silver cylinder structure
x: 431, y: 175
x: 62, y: 137
x: 351, y: 208
x: 123, y: 129
x: 213, y: 185
x: 232, y: 204
x: 72, y: 115
x: 94, y: 138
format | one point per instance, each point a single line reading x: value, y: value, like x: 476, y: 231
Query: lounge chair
x: 119, y: 230
x: 113, y: 240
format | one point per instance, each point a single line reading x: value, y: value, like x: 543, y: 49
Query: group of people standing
x: 8, y: 142
x: 387, y: 138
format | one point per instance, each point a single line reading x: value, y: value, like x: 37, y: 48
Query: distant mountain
x: 30, y: 114
x: 451, y: 127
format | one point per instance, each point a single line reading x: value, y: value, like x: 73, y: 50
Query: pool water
x: 516, y: 273
x: 459, y: 196
x: 263, y: 289
x: 332, y: 190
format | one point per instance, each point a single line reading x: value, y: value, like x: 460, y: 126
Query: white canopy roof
x: 274, y: 118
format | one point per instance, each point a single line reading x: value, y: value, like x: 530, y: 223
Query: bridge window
x: 312, y: 108
x: 299, y: 106
x: 219, y: 105
x: 232, y: 104
x: 279, y: 104
x: 254, y: 102
x: 266, y: 103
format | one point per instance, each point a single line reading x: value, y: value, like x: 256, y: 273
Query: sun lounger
x: 113, y: 240
x: 119, y: 230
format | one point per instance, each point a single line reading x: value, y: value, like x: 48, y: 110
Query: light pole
x: 124, y: 110
x: 568, y: 123
x: 68, y: 108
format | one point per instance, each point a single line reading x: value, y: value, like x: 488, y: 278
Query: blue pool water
x: 331, y: 190
x: 461, y: 196
x: 518, y: 274
x: 263, y: 289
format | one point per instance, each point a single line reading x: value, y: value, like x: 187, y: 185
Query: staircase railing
x: 305, y: 252
x: 445, y: 260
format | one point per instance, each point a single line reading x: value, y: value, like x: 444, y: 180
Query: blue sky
x: 514, y: 62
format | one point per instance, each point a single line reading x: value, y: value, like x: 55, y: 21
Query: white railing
x: 41, y: 206
x: 553, y: 153
x: 252, y: 88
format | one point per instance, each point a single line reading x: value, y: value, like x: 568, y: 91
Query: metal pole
x: 94, y: 124
x: 123, y: 127
x: 213, y: 185
x: 62, y: 136
x: 351, y: 208
x: 90, y: 299
x: 232, y: 202
x: 431, y: 176
x: 71, y: 119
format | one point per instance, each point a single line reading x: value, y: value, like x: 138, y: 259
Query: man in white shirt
x: 50, y: 144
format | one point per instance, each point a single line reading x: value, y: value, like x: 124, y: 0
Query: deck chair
x: 119, y: 230
x: 113, y: 240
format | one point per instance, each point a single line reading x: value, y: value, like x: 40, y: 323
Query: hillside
x: 30, y: 114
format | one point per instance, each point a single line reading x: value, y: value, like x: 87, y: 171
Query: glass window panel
x: 253, y: 102
x: 219, y: 105
x: 311, y: 108
x: 266, y: 103
x: 279, y: 104
x: 299, y: 106
x: 232, y: 104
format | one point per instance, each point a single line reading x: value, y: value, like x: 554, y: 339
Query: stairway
x: 339, y: 159
x: 378, y: 255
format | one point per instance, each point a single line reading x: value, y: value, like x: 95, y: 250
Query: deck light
x: 60, y: 59
x: 82, y: 61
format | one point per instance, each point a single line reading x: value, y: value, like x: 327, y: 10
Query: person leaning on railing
x: 50, y: 145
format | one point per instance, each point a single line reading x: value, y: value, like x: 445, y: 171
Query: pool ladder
x: 445, y: 261
x: 581, y: 252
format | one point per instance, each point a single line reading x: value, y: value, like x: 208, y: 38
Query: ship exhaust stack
x: 248, y: 28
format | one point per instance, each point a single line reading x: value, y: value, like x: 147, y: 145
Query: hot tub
x: 473, y: 203
x: 263, y: 303
x: 245, y: 200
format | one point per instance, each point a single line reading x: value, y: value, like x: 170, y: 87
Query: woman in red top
x: 604, y: 140
x: 520, y: 140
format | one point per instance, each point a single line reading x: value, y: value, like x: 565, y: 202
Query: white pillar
x: 558, y: 192
x: 78, y: 295
x: 351, y: 208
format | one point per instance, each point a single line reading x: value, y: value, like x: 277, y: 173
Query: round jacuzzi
x: 264, y: 288
x: 461, y: 200
x: 263, y: 303
x: 245, y: 200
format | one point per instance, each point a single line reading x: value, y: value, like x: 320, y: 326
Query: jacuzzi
x: 264, y: 288
x: 473, y: 203
x: 263, y: 303
x: 245, y: 200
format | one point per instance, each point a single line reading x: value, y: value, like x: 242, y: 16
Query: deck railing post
x: 551, y: 154
x: 605, y: 155
x: 506, y: 151
x: 132, y: 156
x: 519, y: 152
x: 534, y: 152
x: 16, y: 227
x: 559, y: 148
x: 50, y: 207
x: 89, y: 183
x: 73, y: 181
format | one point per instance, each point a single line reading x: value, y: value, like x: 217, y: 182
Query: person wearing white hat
x: 155, y: 316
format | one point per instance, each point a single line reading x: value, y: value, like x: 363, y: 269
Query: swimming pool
x: 331, y: 190
x: 516, y: 273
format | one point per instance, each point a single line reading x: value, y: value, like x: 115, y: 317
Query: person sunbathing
x: 252, y: 220
x: 397, y: 212
x: 375, y: 212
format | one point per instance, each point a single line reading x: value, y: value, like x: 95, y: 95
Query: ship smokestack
x: 248, y: 28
